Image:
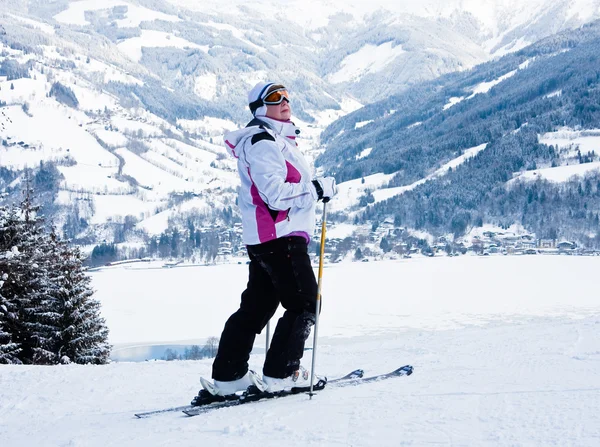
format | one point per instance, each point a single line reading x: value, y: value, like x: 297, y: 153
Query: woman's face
x: 282, y: 111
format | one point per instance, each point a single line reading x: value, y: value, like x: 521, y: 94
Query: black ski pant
x: 280, y: 272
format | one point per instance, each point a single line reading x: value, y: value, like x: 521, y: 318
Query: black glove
x: 325, y: 188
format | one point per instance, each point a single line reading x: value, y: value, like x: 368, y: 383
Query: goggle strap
x: 255, y: 105
x: 262, y: 92
x: 281, y: 89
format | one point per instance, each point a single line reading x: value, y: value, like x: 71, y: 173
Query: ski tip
x: 405, y: 370
x: 357, y: 373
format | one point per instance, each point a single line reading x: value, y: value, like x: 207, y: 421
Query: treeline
x: 64, y: 95
x: 194, y: 352
x: 197, y: 244
x: 12, y: 69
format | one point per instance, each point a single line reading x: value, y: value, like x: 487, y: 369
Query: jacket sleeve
x: 268, y: 171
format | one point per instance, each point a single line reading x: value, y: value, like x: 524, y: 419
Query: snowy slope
x: 560, y: 174
x: 369, y: 59
x: 350, y: 192
x: 569, y: 143
x: 155, y: 39
x: 93, y: 147
x: 75, y: 13
x: 494, y: 366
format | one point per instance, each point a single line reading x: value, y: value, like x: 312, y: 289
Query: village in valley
x: 385, y: 241
x: 389, y: 242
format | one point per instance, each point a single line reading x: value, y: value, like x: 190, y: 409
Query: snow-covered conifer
x: 82, y: 335
x: 9, y: 350
x: 27, y: 291
x: 47, y: 314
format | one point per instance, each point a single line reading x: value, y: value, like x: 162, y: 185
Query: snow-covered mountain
x: 130, y: 98
x: 377, y: 48
x: 481, y: 146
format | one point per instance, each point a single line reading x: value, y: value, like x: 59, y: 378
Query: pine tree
x: 10, y: 308
x: 43, y: 320
x: 27, y: 291
x: 9, y: 350
x: 47, y: 314
x: 82, y: 335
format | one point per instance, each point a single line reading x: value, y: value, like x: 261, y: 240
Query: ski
x: 220, y: 401
x: 254, y: 395
x: 356, y: 377
x: 147, y: 414
x: 405, y: 370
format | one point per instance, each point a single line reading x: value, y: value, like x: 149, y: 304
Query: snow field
x: 505, y: 351
x: 132, y: 47
x: 531, y: 383
x: 358, y: 298
x: 570, y: 141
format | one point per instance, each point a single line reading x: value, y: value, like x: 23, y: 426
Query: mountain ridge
x: 155, y: 86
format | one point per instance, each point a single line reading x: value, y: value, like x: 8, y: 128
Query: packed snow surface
x: 505, y: 349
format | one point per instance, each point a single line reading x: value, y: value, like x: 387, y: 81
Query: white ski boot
x: 299, y: 378
x: 222, y: 388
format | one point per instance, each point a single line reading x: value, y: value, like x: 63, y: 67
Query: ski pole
x: 268, y: 336
x: 318, y: 308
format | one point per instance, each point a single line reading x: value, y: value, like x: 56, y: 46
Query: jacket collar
x: 234, y: 139
x: 284, y: 128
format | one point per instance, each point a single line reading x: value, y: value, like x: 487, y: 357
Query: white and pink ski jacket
x: 276, y: 197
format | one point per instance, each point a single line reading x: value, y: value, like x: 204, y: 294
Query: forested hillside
x: 508, y: 104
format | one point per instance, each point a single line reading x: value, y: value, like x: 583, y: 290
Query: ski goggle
x: 277, y: 96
